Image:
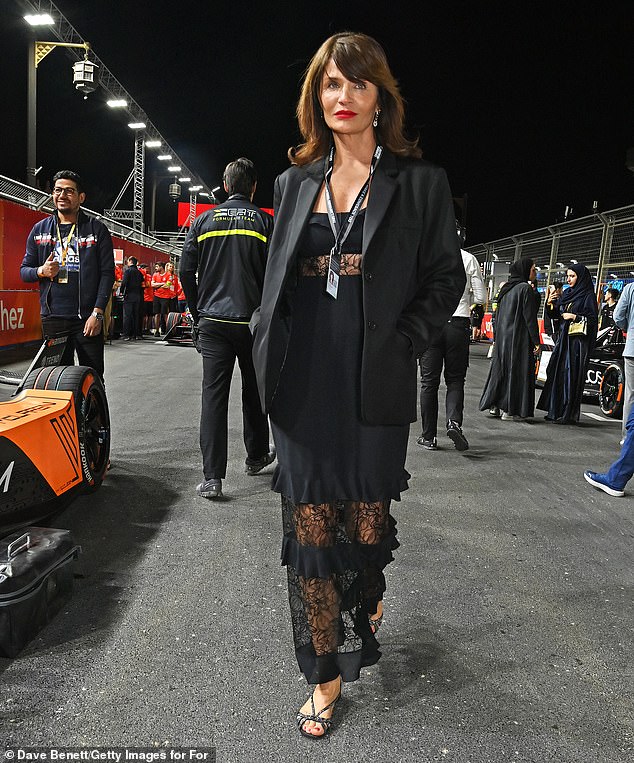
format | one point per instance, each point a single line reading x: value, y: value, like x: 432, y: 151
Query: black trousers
x: 450, y: 348
x: 89, y: 349
x: 131, y: 318
x: 221, y: 343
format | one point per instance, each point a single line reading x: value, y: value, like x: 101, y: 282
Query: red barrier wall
x: 487, y: 326
x: 19, y: 301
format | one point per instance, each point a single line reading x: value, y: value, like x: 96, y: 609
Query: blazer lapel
x: 381, y: 192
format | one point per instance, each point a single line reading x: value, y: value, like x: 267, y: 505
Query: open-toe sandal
x: 375, y: 623
x: 315, y: 717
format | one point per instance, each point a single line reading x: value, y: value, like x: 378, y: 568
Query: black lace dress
x: 336, y: 474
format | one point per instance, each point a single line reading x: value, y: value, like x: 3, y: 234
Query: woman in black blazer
x: 364, y: 268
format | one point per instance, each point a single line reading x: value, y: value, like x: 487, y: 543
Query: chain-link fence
x: 603, y: 242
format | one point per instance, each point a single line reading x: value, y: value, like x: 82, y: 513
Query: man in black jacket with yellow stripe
x: 222, y: 272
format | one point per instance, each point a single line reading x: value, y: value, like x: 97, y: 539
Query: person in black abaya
x: 510, y: 385
x: 568, y: 365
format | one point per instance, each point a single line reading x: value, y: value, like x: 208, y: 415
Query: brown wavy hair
x: 358, y: 57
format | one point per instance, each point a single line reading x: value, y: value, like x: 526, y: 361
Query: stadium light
x: 153, y: 143
x: 174, y: 168
x: 117, y: 103
x: 164, y: 157
x: 137, y: 125
x: 39, y: 19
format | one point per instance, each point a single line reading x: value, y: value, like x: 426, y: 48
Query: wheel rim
x: 95, y: 430
x: 609, y: 390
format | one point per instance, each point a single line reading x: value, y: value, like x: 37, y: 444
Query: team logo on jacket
x: 237, y: 212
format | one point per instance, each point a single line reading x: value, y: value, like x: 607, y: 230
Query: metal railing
x: 24, y: 194
x: 603, y: 242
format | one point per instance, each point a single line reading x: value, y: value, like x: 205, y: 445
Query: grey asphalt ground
x: 508, y: 616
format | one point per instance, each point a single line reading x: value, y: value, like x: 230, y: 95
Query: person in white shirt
x: 623, y: 317
x: 451, y: 349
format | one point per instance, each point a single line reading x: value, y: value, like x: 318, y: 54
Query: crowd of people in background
x: 150, y: 297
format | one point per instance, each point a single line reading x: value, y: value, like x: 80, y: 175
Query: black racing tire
x: 611, y: 391
x: 171, y: 322
x: 91, y: 410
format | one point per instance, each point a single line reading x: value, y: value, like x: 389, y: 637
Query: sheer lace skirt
x: 335, y: 555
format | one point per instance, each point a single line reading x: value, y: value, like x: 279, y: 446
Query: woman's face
x: 348, y: 106
x: 533, y: 274
x: 571, y: 277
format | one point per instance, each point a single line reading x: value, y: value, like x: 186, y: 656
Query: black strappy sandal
x: 375, y: 624
x: 325, y: 723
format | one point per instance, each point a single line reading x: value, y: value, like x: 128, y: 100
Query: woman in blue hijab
x: 568, y: 365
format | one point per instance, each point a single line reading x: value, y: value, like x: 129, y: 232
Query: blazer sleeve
x: 278, y: 190
x: 441, y: 277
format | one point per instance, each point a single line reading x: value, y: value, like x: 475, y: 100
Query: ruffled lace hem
x: 301, y: 489
x: 322, y: 562
x: 326, y: 667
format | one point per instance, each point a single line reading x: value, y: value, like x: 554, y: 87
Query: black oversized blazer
x: 412, y: 272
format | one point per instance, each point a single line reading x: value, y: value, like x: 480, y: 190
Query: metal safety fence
x: 24, y: 194
x: 603, y: 242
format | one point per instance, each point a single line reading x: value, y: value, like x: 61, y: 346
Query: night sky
x: 528, y: 106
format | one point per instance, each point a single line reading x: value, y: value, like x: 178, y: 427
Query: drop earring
x: 376, y: 118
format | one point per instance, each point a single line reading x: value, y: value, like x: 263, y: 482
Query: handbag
x: 578, y: 327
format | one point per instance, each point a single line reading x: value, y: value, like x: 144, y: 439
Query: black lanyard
x: 342, y: 233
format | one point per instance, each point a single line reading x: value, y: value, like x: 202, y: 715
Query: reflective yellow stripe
x: 220, y: 320
x: 232, y: 232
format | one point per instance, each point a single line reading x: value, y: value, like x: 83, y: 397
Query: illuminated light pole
x: 60, y: 28
x: 84, y: 79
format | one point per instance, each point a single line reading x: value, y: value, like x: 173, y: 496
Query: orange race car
x: 54, y: 436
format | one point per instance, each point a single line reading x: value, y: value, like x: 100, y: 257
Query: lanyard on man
x: 62, y: 275
x: 342, y: 233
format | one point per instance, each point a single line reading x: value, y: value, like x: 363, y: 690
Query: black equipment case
x: 36, y: 578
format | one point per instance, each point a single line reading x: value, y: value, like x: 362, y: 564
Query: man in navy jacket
x: 71, y: 256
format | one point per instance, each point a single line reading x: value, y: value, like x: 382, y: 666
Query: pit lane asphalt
x: 508, y: 615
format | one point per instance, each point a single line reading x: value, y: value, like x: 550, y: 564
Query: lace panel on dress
x: 318, y: 265
x: 325, y: 611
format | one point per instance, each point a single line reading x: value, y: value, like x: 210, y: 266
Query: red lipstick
x: 344, y: 114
